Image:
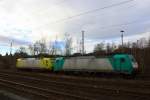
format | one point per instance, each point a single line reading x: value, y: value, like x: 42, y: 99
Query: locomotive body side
x: 119, y: 63
x: 91, y: 64
x: 35, y: 63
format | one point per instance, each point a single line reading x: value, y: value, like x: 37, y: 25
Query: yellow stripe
x: 19, y: 63
x: 45, y: 63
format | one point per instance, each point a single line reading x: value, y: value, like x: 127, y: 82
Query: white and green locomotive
x: 120, y: 63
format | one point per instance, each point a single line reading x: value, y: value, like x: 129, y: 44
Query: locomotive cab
x: 124, y: 63
x: 134, y: 64
x: 58, y: 65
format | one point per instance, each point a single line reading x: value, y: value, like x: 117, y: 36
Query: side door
x: 117, y: 64
x: 123, y: 66
x: 120, y: 64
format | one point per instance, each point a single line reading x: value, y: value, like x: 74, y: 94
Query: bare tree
x: 38, y: 47
x: 68, y: 44
x: 108, y: 48
x: 127, y: 45
x: 141, y: 43
x: 134, y: 45
x: 31, y: 49
x: 114, y: 46
x: 22, y: 50
x: 52, y: 48
x: 99, y: 47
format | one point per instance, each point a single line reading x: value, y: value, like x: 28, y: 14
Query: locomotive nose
x: 135, y: 67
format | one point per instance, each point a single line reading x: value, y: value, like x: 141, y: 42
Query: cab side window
x: 57, y: 61
x: 122, y: 60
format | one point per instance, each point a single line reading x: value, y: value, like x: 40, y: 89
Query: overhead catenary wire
x: 88, y: 12
x: 122, y: 24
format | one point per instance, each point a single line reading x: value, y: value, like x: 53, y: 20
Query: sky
x: 23, y: 22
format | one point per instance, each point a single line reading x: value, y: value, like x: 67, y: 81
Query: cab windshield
x: 132, y: 58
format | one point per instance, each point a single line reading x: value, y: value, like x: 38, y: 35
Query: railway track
x: 69, y: 89
x: 84, y: 80
x: 20, y: 89
x: 72, y: 84
x: 38, y: 92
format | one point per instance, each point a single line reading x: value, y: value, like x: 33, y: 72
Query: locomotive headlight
x: 135, y: 65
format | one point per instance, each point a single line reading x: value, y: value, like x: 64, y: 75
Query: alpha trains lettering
x: 120, y: 63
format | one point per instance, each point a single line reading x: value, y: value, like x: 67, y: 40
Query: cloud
x: 93, y: 23
x: 25, y: 21
x: 7, y: 40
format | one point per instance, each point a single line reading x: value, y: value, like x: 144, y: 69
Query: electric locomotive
x: 118, y: 63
